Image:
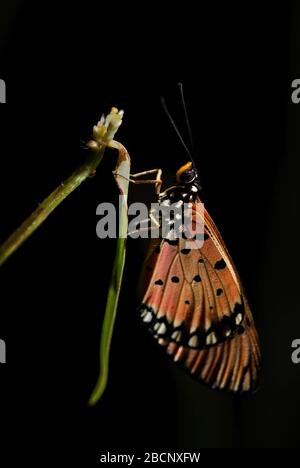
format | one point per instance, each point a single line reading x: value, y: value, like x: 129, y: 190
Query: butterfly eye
x: 187, y: 177
x: 186, y: 174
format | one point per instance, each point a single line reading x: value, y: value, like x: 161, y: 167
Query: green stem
x: 109, y: 321
x: 50, y: 203
x: 122, y: 169
x: 103, y: 134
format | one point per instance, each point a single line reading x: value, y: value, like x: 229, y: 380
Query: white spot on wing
x: 239, y: 319
x: 148, y: 317
x: 162, y: 342
x: 211, y: 339
x: 193, y: 341
x: 162, y: 329
x: 176, y: 335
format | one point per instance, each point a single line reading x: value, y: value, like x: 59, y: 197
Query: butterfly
x: 192, y: 298
x: 194, y: 303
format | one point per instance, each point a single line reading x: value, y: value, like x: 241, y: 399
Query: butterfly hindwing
x: 194, y: 305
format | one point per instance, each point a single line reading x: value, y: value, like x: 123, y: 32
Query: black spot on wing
x: 220, y: 265
x: 159, y: 282
x: 185, y: 251
x: 219, y: 291
x: 197, y: 278
x: 175, y: 279
x: 172, y: 242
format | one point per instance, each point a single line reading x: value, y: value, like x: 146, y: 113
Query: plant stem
x: 50, y: 203
x: 122, y: 178
x: 103, y: 134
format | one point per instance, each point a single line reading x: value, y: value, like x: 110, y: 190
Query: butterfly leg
x: 144, y: 224
x: 142, y: 229
x: 154, y: 222
x: 157, y: 181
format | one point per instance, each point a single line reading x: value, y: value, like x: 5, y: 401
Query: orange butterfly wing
x: 195, y: 306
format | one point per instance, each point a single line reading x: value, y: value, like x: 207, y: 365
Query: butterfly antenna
x: 164, y: 105
x: 188, y: 125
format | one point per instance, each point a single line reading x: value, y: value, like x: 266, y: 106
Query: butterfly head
x: 187, y: 174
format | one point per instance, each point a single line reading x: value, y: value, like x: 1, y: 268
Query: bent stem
x: 103, y: 133
x: 122, y: 178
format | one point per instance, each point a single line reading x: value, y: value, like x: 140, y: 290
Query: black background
x: 237, y: 64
